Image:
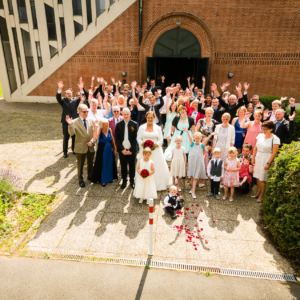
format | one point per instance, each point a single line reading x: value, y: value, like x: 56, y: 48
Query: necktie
x: 85, y: 125
x: 277, y: 125
x: 118, y: 120
x: 152, y: 107
x: 216, y: 163
x: 70, y: 104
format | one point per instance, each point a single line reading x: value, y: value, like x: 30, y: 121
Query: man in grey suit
x: 83, y: 129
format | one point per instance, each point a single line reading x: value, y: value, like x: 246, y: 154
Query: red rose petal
x: 192, y: 204
x: 195, y: 248
x: 186, y: 218
x: 192, y: 212
x: 195, y: 225
x: 206, y: 242
x: 201, y: 210
x: 187, y: 208
x: 214, y: 221
x: 201, y: 229
x: 200, y: 220
x: 185, y: 225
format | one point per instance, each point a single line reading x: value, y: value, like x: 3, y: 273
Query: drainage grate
x: 163, y: 265
x: 256, y: 274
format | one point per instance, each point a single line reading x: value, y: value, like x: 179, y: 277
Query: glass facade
x: 63, y: 32
x: 77, y: 9
x: 22, y: 11
x: 50, y: 23
x: 59, y: 2
x: 53, y: 51
x: 33, y: 12
x: 10, y: 7
x: 8, y: 55
x: 17, y: 47
x: 28, y: 53
x: 1, y: 4
x: 100, y: 7
x: 39, y: 54
x: 77, y: 27
x: 112, y: 2
x: 89, y: 11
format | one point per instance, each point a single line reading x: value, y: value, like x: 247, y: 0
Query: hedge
x: 267, y: 101
x: 281, y: 207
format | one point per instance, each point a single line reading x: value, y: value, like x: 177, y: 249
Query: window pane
x: 8, y: 56
x: 53, y: 51
x: 50, y: 23
x: 77, y: 10
x: 89, y: 11
x: 100, y: 7
x: 63, y: 32
x: 77, y: 27
x: 28, y: 52
x: 59, y: 1
x: 39, y: 54
x: 1, y: 4
x: 112, y: 2
x: 10, y: 7
x: 17, y: 47
x: 33, y: 12
x: 22, y: 11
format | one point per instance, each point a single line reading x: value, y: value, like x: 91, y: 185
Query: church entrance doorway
x: 177, y: 55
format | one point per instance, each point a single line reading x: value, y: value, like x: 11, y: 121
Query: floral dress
x: 231, y: 178
x: 221, y: 142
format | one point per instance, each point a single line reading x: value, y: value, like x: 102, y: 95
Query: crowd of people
x: 223, y: 136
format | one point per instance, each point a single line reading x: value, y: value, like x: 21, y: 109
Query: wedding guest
x: 145, y: 187
x: 225, y: 137
x: 244, y: 173
x: 240, y: 133
x: 105, y: 168
x: 269, y: 114
x: 264, y: 152
x: 153, y: 107
x: 173, y: 202
x: 193, y: 111
x: 115, y: 119
x: 126, y: 140
x: 284, y: 128
x: 253, y: 127
x: 178, y: 162
x: 232, y: 167
x: 133, y: 110
x: 69, y: 108
x: 179, y: 124
x: 171, y: 114
x: 215, y: 171
x: 83, y: 129
x: 97, y: 114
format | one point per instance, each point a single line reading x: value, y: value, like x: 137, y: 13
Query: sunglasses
x: 85, y: 111
x: 115, y: 111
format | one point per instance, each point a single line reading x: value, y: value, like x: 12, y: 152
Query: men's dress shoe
x: 65, y: 155
x: 74, y: 153
x: 81, y: 184
x: 132, y: 184
x: 123, y: 186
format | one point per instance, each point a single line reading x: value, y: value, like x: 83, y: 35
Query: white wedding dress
x: 161, y: 176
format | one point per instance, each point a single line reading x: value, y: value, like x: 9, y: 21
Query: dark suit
x: 284, y: 130
x: 286, y: 115
x: 156, y: 108
x: 69, y: 108
x: 127, y: 159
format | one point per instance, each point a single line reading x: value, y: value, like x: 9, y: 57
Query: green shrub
x: 296, y: 135
x: 281, y: 207
x: 267, y: 101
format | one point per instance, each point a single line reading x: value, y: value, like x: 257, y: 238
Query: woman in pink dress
x: 253, y: 127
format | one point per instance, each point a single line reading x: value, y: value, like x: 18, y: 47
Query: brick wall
x: 256, y: 40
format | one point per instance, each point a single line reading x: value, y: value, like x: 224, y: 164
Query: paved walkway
x: 109, y: 222
x: 23, y: 278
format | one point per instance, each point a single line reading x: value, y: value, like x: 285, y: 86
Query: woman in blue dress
x: 105, y: 168
x: 240, y: 133
x: 178, y: 125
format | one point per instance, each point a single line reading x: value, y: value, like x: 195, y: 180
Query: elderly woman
x: 193, y: 111
x: 240, y: 133
x: 151, y: 131
x: 265, y: 150
x: 253, y: 127
x: 105, y: 168
x: 178, y: 125
x: 225, y: 137
x: 97, y: 114
x: 133, y: 109
x: 207, y: 126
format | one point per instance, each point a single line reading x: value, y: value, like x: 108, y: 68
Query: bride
x: 151, y: 131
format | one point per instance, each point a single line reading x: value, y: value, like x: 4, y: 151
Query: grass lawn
x: 1, y: 92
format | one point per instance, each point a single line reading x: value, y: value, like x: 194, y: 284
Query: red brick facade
x: 256, y: 40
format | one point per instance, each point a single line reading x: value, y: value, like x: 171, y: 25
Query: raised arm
x: 214, y: 89
x: 190, y: 138
x: 189, y: 82
x: 203, y: 84
x: 60, y: 85
x: 208, y: 138
x: 243, y: 123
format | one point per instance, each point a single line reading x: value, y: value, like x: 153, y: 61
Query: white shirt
x: 87, y: 124
x: 126, y: 144
x: 166, y: 201
x: 116, y: 120
x: 272, y: 117
x: 101, y: 113
x: 164, y: 108
x: 215, y: 178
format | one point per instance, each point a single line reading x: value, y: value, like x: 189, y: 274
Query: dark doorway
x: 176, y: 70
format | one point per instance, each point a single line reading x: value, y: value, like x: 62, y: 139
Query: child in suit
x: 173, y: 202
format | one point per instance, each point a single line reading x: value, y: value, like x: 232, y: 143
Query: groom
x: 125, y: 135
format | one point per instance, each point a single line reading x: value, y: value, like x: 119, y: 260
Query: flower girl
x: 145, y: 187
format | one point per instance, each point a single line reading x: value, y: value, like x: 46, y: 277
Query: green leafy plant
x: 207, y: 273
x: 296, y: 135
x: 281, y: 208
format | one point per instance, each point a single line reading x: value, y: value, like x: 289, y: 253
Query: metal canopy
x: 177, y: 42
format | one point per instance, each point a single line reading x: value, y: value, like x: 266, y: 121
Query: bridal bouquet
x: 144, y: 173
x: 149, y: 144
